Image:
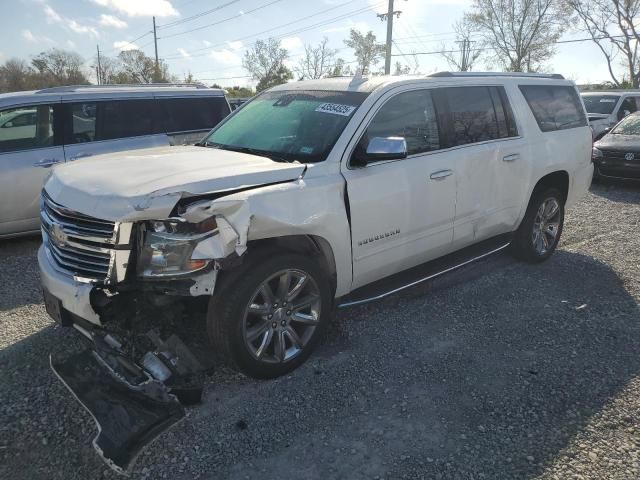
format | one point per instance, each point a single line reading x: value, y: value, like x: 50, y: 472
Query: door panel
x: 27, y: 153
x: 402, y: 210
x: 400, y: 217
x: 487, y: 159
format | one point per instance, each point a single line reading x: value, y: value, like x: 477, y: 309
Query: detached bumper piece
x: 128, y: 417
x: 131, y: 404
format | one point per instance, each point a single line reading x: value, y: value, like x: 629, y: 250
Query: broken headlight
x: 168, y: 246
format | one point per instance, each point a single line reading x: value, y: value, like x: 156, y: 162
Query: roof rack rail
x: 497, y: 74
x: 74, y: 88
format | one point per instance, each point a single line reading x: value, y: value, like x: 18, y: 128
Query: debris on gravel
x: 501, y: 370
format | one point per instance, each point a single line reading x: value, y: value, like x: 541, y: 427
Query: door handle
x: 46, y: 162
x: 441, y: 174
x: 511, y: 158
x: 80, y: 155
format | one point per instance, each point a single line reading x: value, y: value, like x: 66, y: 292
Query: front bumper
x: 132, y: 383
x: 74, y: 296
x: 617, y: 168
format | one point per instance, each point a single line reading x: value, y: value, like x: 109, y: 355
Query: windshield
x: 628, y: 126
x: 603, y: 104
x: 288, y: 125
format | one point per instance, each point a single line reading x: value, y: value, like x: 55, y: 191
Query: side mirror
x: 8, y: 125
x: 383, y: 148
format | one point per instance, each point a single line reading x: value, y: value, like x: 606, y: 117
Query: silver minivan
x: 42, y: 128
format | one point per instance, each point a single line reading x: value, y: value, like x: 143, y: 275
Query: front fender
x: 307, y: 206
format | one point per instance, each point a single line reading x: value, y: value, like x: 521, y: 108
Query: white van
x: 606, y: 108
x: 43, y: 128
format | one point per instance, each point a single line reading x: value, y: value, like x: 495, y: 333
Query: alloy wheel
x: 281, y: 316
x: 546, y: 226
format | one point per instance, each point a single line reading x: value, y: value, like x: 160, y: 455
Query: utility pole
x: 155, y: 43
x: 465, y: 54
x: 99, y: 71
x: 389, y: 18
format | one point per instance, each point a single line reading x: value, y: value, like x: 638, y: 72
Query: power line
x: 223, y: 20
x: 132, y: 42
x: 558, y: 42
x: 300, y: 30
x: 198, y: 15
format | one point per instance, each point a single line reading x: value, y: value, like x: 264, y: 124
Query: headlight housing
x: 596, y: 154
x: 167, y: 247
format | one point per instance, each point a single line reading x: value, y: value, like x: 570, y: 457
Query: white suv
x: 313, y: 194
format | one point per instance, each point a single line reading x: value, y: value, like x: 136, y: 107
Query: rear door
x: 489, y: 158
x: 187, y: 119
x: 104, y: 126
x: 28, y: 150
x: 402, y: 211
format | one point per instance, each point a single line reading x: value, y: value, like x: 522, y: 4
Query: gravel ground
x: 503, y: 370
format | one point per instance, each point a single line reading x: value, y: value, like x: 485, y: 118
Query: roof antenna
x: 358, y: 79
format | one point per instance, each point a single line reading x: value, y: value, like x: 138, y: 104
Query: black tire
x: 523, y: 245
x: 226, y: 322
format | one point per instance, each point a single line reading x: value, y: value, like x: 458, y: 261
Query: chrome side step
x: 424, y: 279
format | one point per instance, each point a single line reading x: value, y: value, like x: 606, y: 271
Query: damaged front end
x: 123, y: 286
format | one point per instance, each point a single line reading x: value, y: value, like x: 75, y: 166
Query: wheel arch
x: 558, y: 179
x: 304, y: 244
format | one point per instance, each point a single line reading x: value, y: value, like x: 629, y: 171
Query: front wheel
x: 540, y: 230
x: 268, y: 319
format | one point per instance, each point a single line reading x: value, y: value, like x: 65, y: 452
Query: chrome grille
x: 87, y: 248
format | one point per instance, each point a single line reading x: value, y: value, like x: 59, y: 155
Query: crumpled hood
x: 146, y: 184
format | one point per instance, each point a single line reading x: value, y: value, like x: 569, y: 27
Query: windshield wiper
x: 249, y: 150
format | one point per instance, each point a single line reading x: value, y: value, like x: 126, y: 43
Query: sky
x: 207, y: 38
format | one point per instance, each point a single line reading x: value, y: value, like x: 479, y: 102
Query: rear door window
x: 478, y: 114
x: 192, y: 114
x: 27, y: 128
x: 125, y: 118
x: 555, y: 107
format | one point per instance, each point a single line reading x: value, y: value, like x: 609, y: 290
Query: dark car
x: 617, y: 154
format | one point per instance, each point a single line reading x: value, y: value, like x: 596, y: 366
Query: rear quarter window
x: 195, y: 113
x: 555, y: 107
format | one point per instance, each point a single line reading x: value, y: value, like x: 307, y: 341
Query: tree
x: 239, y: 92
x: 17, y: 75
x: 402, y: 69
x: 60, y: 67
x: 467, y: 52
x: 340, y: 69
x: 265, y: 63
x: 109, y: 68
x: 317, y: 61
x: 366, y: 49
x: 611, y: 24
x: 135, y: 67
x: 521, y: 33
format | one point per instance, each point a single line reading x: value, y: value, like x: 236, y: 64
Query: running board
x: 425, y: 272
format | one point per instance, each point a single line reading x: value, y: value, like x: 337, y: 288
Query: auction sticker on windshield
x: 336, y: 109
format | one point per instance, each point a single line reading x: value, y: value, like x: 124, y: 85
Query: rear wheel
x: 539, y: 233
x: 268, y: 319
